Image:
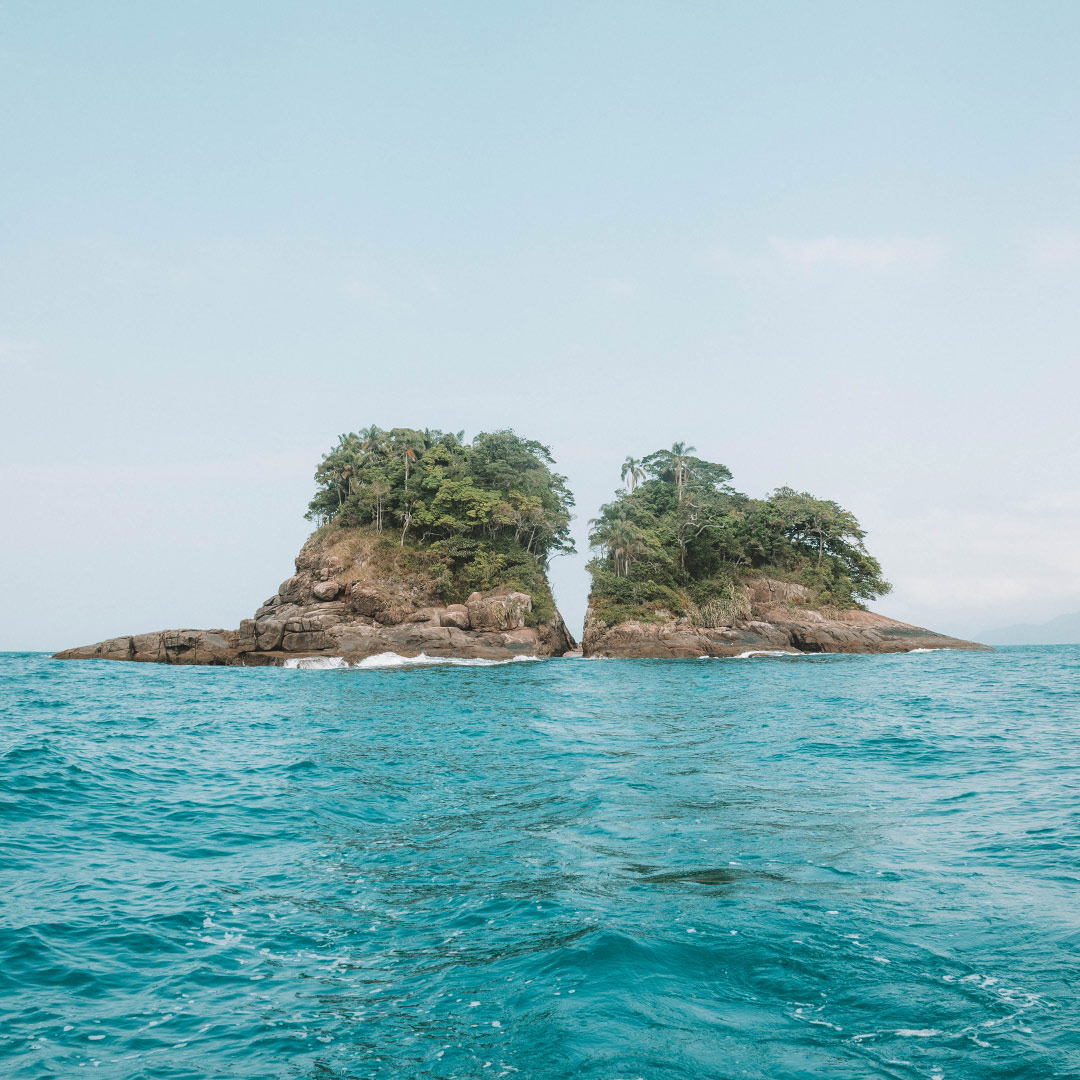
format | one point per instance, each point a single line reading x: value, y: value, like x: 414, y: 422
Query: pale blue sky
x: 835, y: 246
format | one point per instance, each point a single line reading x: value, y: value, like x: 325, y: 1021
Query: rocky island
x: 426, y: 544
x: 687, y: 566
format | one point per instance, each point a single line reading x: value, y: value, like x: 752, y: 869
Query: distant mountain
x: 1064, y: 630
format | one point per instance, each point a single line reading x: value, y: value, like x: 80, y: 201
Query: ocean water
x: 770, y: 867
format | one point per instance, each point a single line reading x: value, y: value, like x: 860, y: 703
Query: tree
x: 632, y: 473
x: 496, y: 502
x: 622, y: 540
x: 684, y: 536
x: 806, y: 520
x: 671, y: 462
x: 379, y: 489
x: 829, y: 531
x: 410, y: 449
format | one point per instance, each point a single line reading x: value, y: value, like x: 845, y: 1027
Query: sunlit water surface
x: 768, y: 868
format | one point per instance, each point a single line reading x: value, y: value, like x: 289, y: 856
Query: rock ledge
x: 775, y: 616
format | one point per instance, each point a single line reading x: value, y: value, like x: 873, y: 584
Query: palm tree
x: 632, y: 473
x: 410, y: 446
x: 623, y: 541
x: 680, y: 459
x: 676, y: 460
x: 372, y: 440
x: 379, y: 489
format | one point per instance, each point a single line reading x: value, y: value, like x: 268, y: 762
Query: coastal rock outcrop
x: 340, y: 603
x: 766, y: 615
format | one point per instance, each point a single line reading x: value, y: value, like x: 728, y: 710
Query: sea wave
x: 395, y: 660
x: 600, y: 870
x: 755, y: 652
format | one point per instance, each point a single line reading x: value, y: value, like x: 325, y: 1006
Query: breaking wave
x: 395, y: 660
x: 750, y: 653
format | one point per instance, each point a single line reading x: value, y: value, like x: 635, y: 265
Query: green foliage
x: 677, y: 543
x: 478, y: 515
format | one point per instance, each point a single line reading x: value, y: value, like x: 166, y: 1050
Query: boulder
x: 456, y: 615
x: 268, y: 633
x: 327, y: 590
x: 427, y: 615
x: 368, y: 599
x: 499, y: 609
x: 306, y: 641
x: 291, y: 590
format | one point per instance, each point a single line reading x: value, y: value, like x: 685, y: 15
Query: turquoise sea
x: 764, y: 867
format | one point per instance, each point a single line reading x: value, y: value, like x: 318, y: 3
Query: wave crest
x: 395, y: 660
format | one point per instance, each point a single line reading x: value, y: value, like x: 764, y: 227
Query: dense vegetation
x: 680, y: 537
x: 473, y: 515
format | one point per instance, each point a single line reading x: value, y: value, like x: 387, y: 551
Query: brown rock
x: 779, y: 621
x: 291, y: 590
x: 268, y: 635
x: 456, y: 615
x: 306, y: 641
x: 324, y: 609
x: 367, y: 599
x: 327, y: 590
x: 499, y: 609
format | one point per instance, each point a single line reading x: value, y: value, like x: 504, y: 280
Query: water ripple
x: 841, y: 866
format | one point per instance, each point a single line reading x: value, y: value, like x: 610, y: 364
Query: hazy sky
x: 832, y: 245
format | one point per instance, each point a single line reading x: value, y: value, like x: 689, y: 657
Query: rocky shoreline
x: 773, y: 616
x: 332, y: 607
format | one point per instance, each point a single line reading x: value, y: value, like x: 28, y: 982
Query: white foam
x: 389, y: 659
x: 755, y: 652
x: 393, y: 660
x: 316, y: 663
x: 767, y: 652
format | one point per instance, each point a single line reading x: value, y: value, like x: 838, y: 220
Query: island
x: 687, y: 566
x: 426, y: 544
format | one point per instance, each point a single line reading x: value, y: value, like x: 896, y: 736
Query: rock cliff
x: 342, y: 601
x: 767, y: 616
